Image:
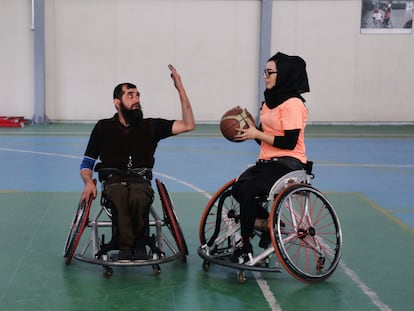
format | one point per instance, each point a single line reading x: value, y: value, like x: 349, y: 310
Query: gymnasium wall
x: 91, y: 45
x: 16, y: 59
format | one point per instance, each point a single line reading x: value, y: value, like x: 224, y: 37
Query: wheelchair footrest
x: 224, y: 260
x: 109, y: 260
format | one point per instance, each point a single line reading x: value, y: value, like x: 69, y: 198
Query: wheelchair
x: 305, y: 232
x: 163, y: 246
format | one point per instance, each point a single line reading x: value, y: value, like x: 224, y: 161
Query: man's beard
x: 132, y: 117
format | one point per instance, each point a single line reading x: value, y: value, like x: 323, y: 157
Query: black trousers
x: 256, y: 182
x: 132, y: 202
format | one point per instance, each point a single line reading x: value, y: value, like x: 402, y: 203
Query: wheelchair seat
x: 298, y: 176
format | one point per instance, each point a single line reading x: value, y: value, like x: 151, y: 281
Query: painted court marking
x: 264, y: 286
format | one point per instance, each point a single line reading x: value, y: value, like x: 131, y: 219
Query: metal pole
x: 38, y: 27
x: 265, y: 40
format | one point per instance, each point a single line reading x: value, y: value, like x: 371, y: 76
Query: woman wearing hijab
x: 283, y: 119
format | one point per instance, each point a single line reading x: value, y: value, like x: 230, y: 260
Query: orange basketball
x: 232, y: 120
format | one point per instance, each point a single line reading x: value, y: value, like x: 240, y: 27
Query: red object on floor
x: 7, y: 121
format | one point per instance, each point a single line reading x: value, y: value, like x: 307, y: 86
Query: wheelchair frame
x: 164, y: 249
x: 304, y: 229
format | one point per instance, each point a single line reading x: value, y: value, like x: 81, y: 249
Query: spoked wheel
x: 76, y: 229
x: 306, y: 233
x: 220, y: 222
x: 171, y: 219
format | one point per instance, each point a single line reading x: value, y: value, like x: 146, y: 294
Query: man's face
x: 130, y: 98
x: 130, y: 106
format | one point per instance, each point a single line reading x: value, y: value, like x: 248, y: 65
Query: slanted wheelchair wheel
x: 171, y: 219
x: 306, y: 233
x: 76, y: 229
x: 222, y: 213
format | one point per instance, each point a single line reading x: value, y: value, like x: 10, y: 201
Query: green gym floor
x: 367, y: 172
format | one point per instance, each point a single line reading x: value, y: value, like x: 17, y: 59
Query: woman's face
x: 270, y: 74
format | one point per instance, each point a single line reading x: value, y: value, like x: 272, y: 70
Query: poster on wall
x: 387, y: 16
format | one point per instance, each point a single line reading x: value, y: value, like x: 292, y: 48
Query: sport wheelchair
x: 163, y: 247
x: 304, y: 229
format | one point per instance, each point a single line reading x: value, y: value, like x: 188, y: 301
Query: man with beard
x: 125, y: 145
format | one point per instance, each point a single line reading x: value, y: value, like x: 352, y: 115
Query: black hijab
x: 291, y: 80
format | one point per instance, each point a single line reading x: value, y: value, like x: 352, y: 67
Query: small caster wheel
x: 206, y: 265
x: 107, y: 272
x: 156, y: 270
x: 240, y: 277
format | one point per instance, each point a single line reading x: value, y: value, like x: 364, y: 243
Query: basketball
x: 232, y: 120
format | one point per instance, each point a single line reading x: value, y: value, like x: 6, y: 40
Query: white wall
x: 91, y: 45
x: 16, y: 59
x: 353, y: 77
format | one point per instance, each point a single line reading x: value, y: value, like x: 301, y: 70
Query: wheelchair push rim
x: 220, y: 235
x: 306, y: 233
x: 76, y: 229
x: 213, y: 217
x: 171, y: 219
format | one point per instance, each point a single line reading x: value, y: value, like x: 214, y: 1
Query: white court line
x: 41, y: 153
x: 364, y: 288
x: 267, y: 293
x: 199, y: 190
x: 264, y: 286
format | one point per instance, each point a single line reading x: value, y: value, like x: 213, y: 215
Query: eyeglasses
x: 268, y: 73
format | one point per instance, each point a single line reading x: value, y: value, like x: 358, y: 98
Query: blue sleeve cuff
x: 87, y: 163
